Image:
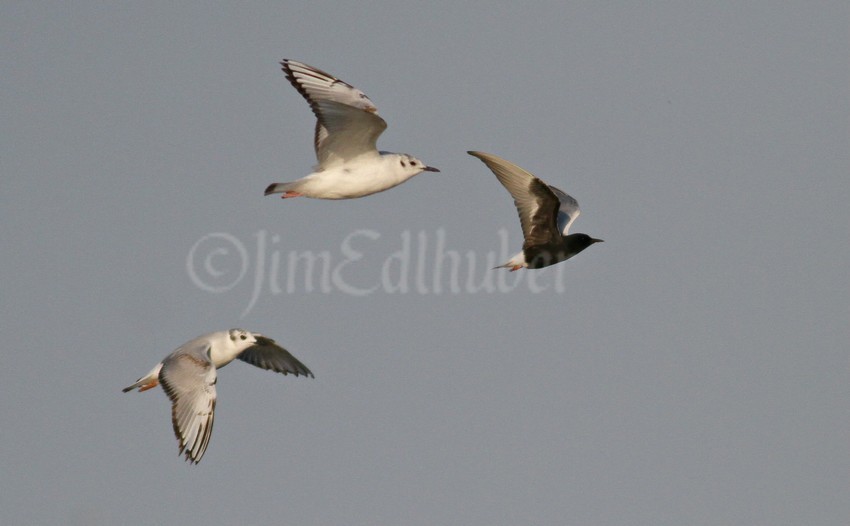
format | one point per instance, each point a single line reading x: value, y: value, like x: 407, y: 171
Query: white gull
x: 188, y: 376
x: 347, y: 130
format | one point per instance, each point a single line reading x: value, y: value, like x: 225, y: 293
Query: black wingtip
x: 301, y: 370
x: 270, y: 189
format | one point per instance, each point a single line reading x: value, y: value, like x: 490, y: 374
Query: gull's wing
x: 347, y: 124
x: 568, y: 211
x: 188, y: 377
x: 266, y: 354
x: 536, y: 203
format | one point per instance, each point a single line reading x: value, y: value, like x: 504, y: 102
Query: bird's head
x: 583, y: 240
x: 414, y: 165
x: 242, y: 339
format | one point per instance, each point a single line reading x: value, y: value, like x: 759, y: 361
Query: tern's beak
x: 430, y: 169
x: 597, y: 240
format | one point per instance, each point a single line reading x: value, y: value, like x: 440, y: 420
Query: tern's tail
x: 515, y: 263
x: 147, y: 381
x: 508, y: 265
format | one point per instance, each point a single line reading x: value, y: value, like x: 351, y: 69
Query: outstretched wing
x: 536, y: 203
x: 188, y: 377
x: 267, y: 354
x: 347, y: 124
x: 568, y: 211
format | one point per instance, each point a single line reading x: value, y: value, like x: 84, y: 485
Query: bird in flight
x: 188, y: 376
x: 347, y: 130
x: 545, y: 214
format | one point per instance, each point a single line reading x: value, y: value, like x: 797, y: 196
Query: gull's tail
x: 148, y: 381
x: 282, y: 188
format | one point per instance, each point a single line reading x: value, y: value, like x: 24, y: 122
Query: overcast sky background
x: 693, y: 369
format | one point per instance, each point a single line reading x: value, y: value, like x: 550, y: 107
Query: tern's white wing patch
x: 568, y: 210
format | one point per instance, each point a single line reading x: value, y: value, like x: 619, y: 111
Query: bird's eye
x: 243, y: 336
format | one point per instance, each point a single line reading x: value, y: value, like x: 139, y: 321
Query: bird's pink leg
x: 290, y: 193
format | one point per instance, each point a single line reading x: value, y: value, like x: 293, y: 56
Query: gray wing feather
x: 536, y: 203
x: 350, y: 132
x: 188, y: 378
x: 347, y: 121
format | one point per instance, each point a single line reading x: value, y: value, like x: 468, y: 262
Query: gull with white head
x: 545, y: 214
x: 347, y: 131
x: 188, y: 376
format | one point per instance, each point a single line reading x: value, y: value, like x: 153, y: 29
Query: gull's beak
x: 597, y: 240
x: 430, y: 169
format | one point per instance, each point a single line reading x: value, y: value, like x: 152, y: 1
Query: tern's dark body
x: 546, y: 254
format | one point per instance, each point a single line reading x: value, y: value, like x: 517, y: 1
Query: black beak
x: 430, y: 169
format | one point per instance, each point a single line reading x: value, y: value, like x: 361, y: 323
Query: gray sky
x: 692, y: 369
